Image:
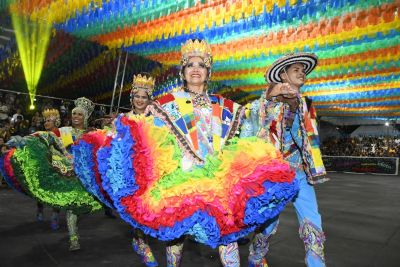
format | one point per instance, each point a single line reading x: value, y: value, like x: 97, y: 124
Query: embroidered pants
x: 72, y: 226
x: 229, y: 254
x: 140, y: 246
x: 310, y: 231
x: 259, y: 245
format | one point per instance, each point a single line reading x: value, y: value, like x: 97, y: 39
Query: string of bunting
x: 357, y: 42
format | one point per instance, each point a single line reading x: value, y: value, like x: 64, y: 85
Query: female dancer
x: 80, y: 116
x: 180, y: 171
x: 41, y: 166
x: 141, y: 96
x: 52, y: 121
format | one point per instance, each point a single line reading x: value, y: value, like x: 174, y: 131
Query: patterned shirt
x: 291, y: 147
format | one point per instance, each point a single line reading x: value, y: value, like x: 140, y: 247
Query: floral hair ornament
x: 52, y: 114
x: 143, y: 82
x: 86, y: 105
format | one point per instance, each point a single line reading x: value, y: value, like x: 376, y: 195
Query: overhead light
x: 32, y: 40
x: 387, y: 123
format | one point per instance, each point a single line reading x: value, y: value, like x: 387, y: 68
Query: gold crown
x: 86, y: 104
x: 51, y: 113
x: 143, y: 82
x: 198, y: 48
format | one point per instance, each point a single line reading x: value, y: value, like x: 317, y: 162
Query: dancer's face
x: 78, y: 118
x: 49, y: 124
x: 294, y: 75
x: 195, y: 72
x: 140, y: 100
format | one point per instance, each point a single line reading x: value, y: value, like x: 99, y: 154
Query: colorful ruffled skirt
x: 137, y: 170
x: 8, y: 173
x: 42, y: 172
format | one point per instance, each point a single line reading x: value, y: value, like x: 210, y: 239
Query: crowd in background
x: 17, y: 119
x: 364, y: 146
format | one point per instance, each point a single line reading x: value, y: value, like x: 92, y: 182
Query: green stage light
x: 32, y: 39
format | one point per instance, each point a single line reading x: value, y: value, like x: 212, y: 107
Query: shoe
x: 39, y: 217
x: 263, y: 263
x: 74, y: 243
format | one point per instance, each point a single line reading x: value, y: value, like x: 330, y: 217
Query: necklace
x: 77, y: 133
x: 199, y: 99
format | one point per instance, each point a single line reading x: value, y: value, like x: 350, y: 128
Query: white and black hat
x: 309, y: 60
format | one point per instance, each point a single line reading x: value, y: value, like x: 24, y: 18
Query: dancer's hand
x: 283, y: 89
x: 16, y: 141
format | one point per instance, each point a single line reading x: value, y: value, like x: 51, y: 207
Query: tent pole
x: 115, y: 83
x: 122, y: 82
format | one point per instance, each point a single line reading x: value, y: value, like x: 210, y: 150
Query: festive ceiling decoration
x: 357, y: 42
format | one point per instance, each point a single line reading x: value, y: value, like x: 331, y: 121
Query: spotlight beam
x: 33, y: 38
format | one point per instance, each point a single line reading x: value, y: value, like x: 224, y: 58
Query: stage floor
x: 360, y: 215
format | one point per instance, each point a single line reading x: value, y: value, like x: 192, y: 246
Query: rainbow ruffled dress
x: 8, y: 173
x: 42, y: 169
x: 154, y: 172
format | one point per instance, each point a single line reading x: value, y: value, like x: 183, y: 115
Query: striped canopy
x: 357, y: 43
